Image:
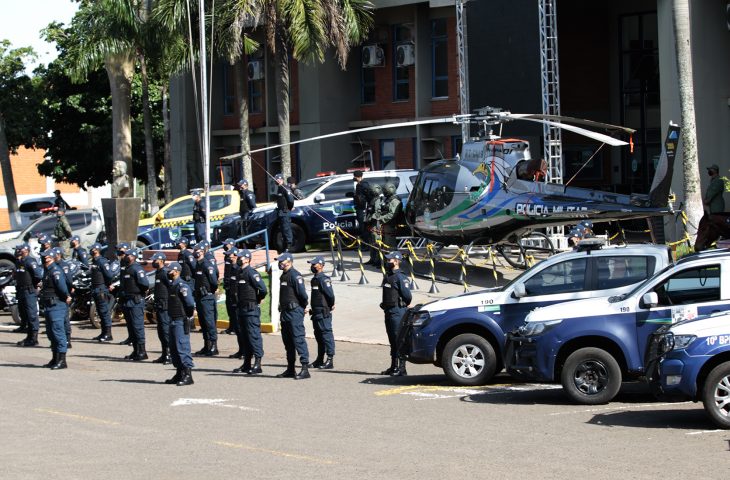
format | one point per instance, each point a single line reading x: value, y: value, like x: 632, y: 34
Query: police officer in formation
x: 121, y: 252
x: 248, y: 203
x: 54, y: 300
x: 321, y: 306
x: 284, y: 204
x: 78, y: 252
x: 396, y: 298
x: 103, y: 272
x: 28, y: 274
x: 134, y: 286
x: 162, y: 293
x: 390, y: 215
x: 230, y: 270
x: 250, y: 292
x: 69, y: 270
x: 205, y: 277
x: 199, y: 215
x: 181, y: 308
x: 292, y: 301
x: 186, y: 259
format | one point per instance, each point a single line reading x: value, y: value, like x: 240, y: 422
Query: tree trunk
x: 167, y: 162
x: 119, y: 69
x: 8, y: 181
x: 149, y: 147
x: 690, y: 166
x: 242, y: 86
x: 282, y: 103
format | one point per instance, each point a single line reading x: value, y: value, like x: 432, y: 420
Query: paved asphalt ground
x: 108, y: 418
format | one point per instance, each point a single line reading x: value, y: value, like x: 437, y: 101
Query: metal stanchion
x: 414, y: 285
x: 332, y: 251
x: 341, y: 265
x: 363, y: 279
x: 462, y: 276
x: 434, y: 288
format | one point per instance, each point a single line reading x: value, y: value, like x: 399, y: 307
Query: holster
x: 187, y: 325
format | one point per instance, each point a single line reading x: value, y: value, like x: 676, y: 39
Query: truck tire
x: 299, y: 238
x: 716, y: 395
x: 469, y: 359
x: 94, y: 319
x: 15, y: 314
x: 591, y: 376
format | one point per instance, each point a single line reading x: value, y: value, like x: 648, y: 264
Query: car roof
x: 721, y: 252
x: 612, y: 250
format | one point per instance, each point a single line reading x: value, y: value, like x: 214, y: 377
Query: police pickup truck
x: 592, y: 345
x: 695, y: 364
x: 465, y: 335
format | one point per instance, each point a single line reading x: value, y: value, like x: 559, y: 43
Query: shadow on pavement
x: 21, y: 365
x: 130, y: 380
x: 425, y: 380
x: 675, y: 419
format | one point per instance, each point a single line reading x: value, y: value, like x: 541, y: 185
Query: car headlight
x: 531, y: 329
x: 422, y: 317
x: 683, y: 341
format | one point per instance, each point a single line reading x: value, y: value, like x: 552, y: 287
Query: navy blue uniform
x: 292, y: 300
x: 206, y: 283
x: 284, y: 204
x: 134, y: 286
x: 103, y: 272
x: 181, y: 306
x: 199, y: 215
x: 396, y: 297
x: 28, y: 274
x: 187, y: 261
x: 53, y: 296
x: 248, y: 203
x: 250, y: 291
x: 80, y: 255
x: 66, y: 267
x: 323, y: 299
x: 230, y: 271
x: 162, y: 293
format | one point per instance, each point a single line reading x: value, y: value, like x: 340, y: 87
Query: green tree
x: 18, y: 116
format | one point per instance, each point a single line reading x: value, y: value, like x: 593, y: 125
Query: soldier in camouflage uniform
x: 391, y: 213
x: 372, y: 224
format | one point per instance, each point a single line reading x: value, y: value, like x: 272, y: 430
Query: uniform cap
x: 243, y: 181
x: 394, y: 256
x: 244, y: 253
x: 122, y: 246
x: 587, y: 224
x: 56, y: 192
x: 74, y: 238
x: 284, y: 257
x: 158, y: 256
x: 357, y: 174
x: 199, y: 247
x: 196, y: 192
x: 232, y: 251
x: 44, y: 238
x: 174, y: 267
x: 184, y: 241
x: 58, y: 252
x: 278, y: 176
x: 132, y: 251
x: 46, y: 253
x: 229, y: 241
x: 96, y: 246
x: 291, y: 180
x: 22, y: 246
x: 203, y: 244
x: 318, y: 260
x: 714, y: 167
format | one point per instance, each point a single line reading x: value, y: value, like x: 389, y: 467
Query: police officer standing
x: 54, y: 299
x: 292, y: 184
x: 28, y: 274
x: 391, y: 214
x: 69, y: 271
x: 284, y: 204
x: 251, y: 290
x: 186, y: 260
x: 321, y: 306
x: 162, y: 293
x: 372, y: 216
x: 205, y: 276
x: 396, y: 298
x: 102, y: 276
x: 134, y: 286
x: 360, y: 199
x: 181, y: 308
x: 199, y: 215
x: 248, y: 203
x: 230, y: 270
x: 292, y: 300
x: 121, y: 252
x: 45, y: 241
x: 78, y: 252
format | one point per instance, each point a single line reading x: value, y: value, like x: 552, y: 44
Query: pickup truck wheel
x: 591, y: 376
x: 716, y: 395
x: 469, y: 359
x: 15, y: 313
x: 94, y: 319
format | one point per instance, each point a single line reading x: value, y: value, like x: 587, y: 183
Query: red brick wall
x: 259, y: 174
x: 25, y: 173
x: 450, y: 105
x: 404, y: 153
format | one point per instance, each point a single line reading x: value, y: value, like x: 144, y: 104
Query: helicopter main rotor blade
x: 579, y: 121
x: 615, y: 142
x: 454, y: 119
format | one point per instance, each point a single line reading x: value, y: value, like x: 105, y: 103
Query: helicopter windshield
x: 434, y: 188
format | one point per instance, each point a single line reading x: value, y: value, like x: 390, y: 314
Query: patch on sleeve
x: 106, y: 266
x: 257, y: 277
x: 141, y: 274
x: 300, y: 280
x: 328, y: 283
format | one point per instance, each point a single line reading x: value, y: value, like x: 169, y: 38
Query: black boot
x: 288, y: 373
x: 256, y: 369
x: 186, y: 378
x: 392, y: 367
x: 212, y: 350
x: 176, y: 378
x: 329, y: 364
x: 52, y: 362
x: 141, y: 353
x: 132, y: 355
x: 204, y: 352
x: 317, y: 363
x: 106, y: 335
x: 60, y: 362
x: 127, y: 341
x: 30, y: 341
x: 238, y: 354
x: 400, y: 370
x: 68, y: 344
x: 303, y: 373
x: 164, y: 357
x: 21, y: 329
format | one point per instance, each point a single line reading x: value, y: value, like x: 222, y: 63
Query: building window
x: 387, y: 154
x: 440, y: 59
x: 401, y: 81
x: 367, y: 90
x: 456, y: 144
x: 255, y: 86
x: 229, y: 89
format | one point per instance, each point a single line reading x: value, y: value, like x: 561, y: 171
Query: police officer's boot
x: 30, y: 341
x: 238, y: 354
x: 392, y: 367
x: 186, y: 378
x: 126, y: 341
x: 205, y: 350
x: 176, y: 378
x: 400, y: 370
x: 303, y: 373
x: 141, y: 353
x: 23, y: 328
x: 106, y: 335
x: 318, y: 362
x: 164, y: 357
x: 329, y: 364
x: 60, y: 362
x: 132, y: 355
x: 52, y: 362
x: 213, y: 349
x: 68, y: 343
x: 256, y: 366
x: 246, y: 367
x: 288, y: 373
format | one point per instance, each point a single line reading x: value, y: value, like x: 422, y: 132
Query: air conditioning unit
x: 372, y: 56
x: 255, y: 70
x: 405, y: 55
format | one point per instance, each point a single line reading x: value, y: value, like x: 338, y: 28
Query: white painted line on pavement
x: 705, y: 431
x: 627, y: 407
x: 213, y: 402
x: 277, y: 453
x: 76, y: 416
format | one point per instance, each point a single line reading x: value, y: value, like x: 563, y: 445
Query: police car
x: 465, y: 334
x: 592, y: 345
x: 695, y: 364
x: 328, y: 203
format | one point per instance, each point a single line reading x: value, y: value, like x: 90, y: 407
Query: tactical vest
x: 175, y: 307
x: 162, y: 294
x: 48, y: 290
x: 391, y: 298
x: 201, y: 279
x: 129, y: 281
x: 23, y: 278
x: 318, y: 300
x: 287, y: 294
x: 246, y: 290
x: 97, y: 276
x: 186, y: 272
x: 244, y: 209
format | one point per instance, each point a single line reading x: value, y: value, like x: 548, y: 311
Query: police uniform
x: 199, y: 215
x: 134, y: 286
x: 28, y: 274
x: 322, y: 302
x: 186, y: 260
x: 69, y: 270
x: 246, y: 206
x: 79, y: 253
x: 230, y: 270
x: 181, y: 308
x: 292, y: 300
x: 396, y: 298
x: 250, y: 291
x: 360, y: 200
x: 206, y: 283
x: 53, y: 296
x: 103, y: 272
x: 284, y: 204
x: 162, y: 293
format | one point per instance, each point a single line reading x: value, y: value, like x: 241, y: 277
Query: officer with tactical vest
x: 162, y: 293
x: 321, y: 306
x: 103, y: 272
x: 54, y: 298
x: 186, y: 259
x: 230, y: 270
x: 284, y: 204
x: 62, y: 231
x: 69, y: 271
x: 181, y: 308
x: 134, y: 286
x: 396, y: 298
x: 372, y: 215
x: 391, y: 213
x: 246, y: 206
x: 205, y: 277
x: 78, y: 252
x: 121, y: 252
x: 199, y: 215
x: 250, y: 292
x: 292, y: 300
x: 28, y: 274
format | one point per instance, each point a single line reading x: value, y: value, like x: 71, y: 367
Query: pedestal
x: 121, y: 220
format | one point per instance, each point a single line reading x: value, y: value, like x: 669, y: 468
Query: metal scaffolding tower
x: 463, y: 66
x: 550, y: 88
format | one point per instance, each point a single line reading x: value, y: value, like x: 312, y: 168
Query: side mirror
x: 650, y: 299
x: 519, y: 291
x: 319, y: 197
x: 159, y: 217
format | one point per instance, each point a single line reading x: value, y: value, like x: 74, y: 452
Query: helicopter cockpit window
x: 434, y: 191
x: 532, y: 170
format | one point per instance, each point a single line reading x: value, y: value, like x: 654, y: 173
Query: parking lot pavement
x: 108, y: 418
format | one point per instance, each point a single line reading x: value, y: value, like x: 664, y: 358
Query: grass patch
x: 265, y: 305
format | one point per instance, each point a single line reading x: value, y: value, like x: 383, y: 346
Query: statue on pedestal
x: 120, y: 182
